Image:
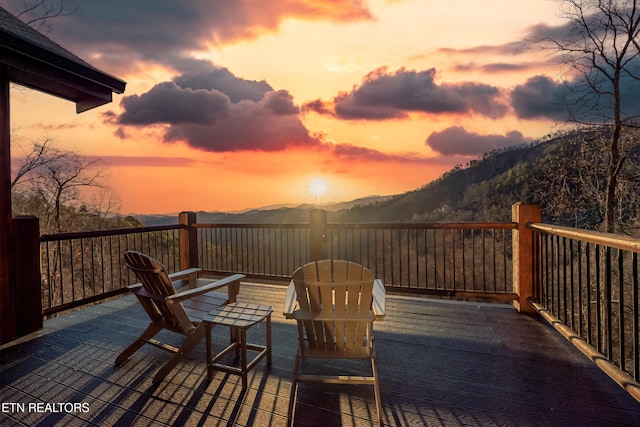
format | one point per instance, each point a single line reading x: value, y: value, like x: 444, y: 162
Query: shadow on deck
x: 440, y: 363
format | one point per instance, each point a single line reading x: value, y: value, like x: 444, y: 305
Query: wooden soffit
x: 34, y: 61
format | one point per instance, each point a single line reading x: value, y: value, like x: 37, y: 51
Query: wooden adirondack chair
x: 336, y: 301
x: 179, y: 310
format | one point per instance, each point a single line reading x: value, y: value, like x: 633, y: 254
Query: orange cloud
x: 336, y: 10
x: 126, y: 32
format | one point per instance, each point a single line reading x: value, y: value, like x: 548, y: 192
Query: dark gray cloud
x: 541, y: 97
x: 496, y: 67
x: 458, y: 141
x: 123, y: 32
x: 511, y: 49
x: 268, y: 125
x: 535, y: 38
x: 171, y: 104
x: 213, y: 110
x: 358, y: 152
x: 202, y: 75
x: 541, y: 32
x: 384, y: 95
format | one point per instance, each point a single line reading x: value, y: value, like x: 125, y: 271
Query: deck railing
x: 80, y: 268
x: 446, y: 259
x: 588, y: 281
x: 260, y: 251
x: 428, y: 258
x: 454, y: 260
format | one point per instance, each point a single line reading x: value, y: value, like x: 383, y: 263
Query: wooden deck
x: 441, y: 363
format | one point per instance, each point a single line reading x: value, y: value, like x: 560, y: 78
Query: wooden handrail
x: 110, y: 232
x: 373, y: 225
x: 617, y: 241
x: 622, y: 378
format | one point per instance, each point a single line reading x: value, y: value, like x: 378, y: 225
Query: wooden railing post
x: 523, y: 256
x: 27, y: 279
x: 318, y: 234
x: 188, y: 241
x: 7, y: 315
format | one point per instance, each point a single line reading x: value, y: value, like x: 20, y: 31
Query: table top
x: 238, y: 314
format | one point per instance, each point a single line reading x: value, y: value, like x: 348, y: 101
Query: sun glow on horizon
x: 318, y: 188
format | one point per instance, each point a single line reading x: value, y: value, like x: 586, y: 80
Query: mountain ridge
x: 277, y: 213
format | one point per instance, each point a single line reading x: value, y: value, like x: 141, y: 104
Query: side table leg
x: 243, y: 356
x: 209, y: 355
x: 237, y: 335
x: 269, y: 340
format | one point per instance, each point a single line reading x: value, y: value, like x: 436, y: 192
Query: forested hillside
x: 564, y: 173
x: 467, y: 193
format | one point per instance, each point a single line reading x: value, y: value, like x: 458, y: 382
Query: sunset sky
x: 239, y: 104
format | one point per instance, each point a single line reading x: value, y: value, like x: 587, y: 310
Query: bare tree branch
x: 602, y: 49
x: 38, y: 13
x: 41, y: 154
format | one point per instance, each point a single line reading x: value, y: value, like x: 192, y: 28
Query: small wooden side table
x: 239, y: 317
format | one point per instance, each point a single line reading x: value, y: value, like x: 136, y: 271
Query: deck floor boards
x: 441, y: 363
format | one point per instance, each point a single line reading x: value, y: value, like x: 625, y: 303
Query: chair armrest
x: 134, y: 287
x: 232, y: 280
x: 138, y: 290
x: 290, y: 301
x: 379, y: 299
x: 189, y: 273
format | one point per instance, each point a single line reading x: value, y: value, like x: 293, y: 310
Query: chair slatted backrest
x: 155, y: 281
x: 335, y: 298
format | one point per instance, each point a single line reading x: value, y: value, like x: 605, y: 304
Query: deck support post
x: 318, y: 235
x: 188, y: 241
x: 26, y: 278
x: 7, y: 298
x: 523, y: 255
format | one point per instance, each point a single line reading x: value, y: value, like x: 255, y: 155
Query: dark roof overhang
x: 34, y: 61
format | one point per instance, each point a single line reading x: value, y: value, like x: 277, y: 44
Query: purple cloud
x: 383, y: 95
x: 213, y: 110
x: 458, y: 141
x: 269, y: 125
